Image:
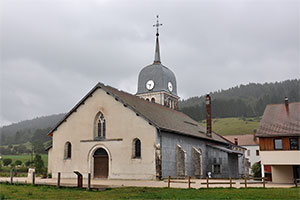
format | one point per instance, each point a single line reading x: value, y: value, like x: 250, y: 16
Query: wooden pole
x: 89, y: 181
x: 245, y: 178
x: 169, y: 177
x: 33, y: 178
x: 189, y: 182
x: 230, y: 182
x: 11, y: 176
x: 207, y: 185
x: 58, y: 179
x: 264, y: 182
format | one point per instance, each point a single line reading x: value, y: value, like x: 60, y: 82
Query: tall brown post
x: 58, y: 179
x: 264, y: 182
x: 230, y: 182
x: 208, y: 116
x: 189, y: 182
x: 245, y: 179
x: 33, y: 178
x: 207, y: 184
x: 89, y: 181
x: 169, y: 181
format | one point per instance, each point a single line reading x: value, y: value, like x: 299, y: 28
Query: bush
x: 49, y: 175
x: 256, y: 170
x: 6, y: 161
x: 23, y: 169
x: 18, y: 162
x: 28, y: 163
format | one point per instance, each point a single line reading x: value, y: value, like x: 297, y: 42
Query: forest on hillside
x: 242, y: 101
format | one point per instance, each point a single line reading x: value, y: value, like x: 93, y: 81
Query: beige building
x: 279, y: 138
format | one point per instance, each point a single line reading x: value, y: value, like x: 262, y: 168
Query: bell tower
x: 157, y: 83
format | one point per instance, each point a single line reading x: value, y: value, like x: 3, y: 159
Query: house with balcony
x: 279, y: 138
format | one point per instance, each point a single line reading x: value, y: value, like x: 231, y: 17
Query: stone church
x: 116, y: 135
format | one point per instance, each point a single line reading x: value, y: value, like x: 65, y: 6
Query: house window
x: 136, y: 148
x: 68, y: 150
x: 153, y: 100
x: 294, y: 144
x: 257, y: 152
x: 101, y: 126
x: 248, y: 152
x: 277, y: 143
x: 216, y: 169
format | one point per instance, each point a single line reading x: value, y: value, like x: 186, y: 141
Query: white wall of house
x: 251, y: 154
x: 122, y: 127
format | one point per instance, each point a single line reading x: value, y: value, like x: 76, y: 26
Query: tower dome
x: 162, y: 78
x: 157, y: 83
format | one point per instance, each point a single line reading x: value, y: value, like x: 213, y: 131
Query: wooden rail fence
x: 189, y: 182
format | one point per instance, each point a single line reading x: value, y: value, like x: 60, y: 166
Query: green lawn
x: 49, y: 192
x: 25, y: 157
x: 234, y: 125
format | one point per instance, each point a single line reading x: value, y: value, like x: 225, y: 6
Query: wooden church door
x: 100, y: 163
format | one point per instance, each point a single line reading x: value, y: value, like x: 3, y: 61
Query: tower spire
x: 157, y: 54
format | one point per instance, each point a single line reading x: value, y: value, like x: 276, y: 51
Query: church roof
x: 162, y: 117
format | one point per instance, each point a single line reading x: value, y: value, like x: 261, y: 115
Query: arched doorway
x: 100, y: 163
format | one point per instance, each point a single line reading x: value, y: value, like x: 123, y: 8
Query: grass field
x: 49, y: 192
x: 25, y: 157
x: 234, y: 125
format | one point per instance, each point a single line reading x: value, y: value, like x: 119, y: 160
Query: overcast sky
x: 54, y: 51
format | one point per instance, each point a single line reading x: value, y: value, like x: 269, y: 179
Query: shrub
x: 256, y: 170
x: 49, y: 175
x: 6, y: 161
x: 18, y: 162
x: 28, y: 163
x: 38, y: 163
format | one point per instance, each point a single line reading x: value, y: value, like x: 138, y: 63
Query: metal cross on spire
x: 157, y: 25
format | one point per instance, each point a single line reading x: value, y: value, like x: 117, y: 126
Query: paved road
x: 100, y: 183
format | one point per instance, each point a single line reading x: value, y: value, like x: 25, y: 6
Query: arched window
x: 147, y: 99
x: 101, y: 126
x: 136, y: 148
x: 153, y: 100
x: 68, y: 150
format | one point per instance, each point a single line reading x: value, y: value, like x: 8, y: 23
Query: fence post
x: 189, y: 182
x: 89, y: 181
x: 207, y: 185
x: 33, y: 178
x: 230, y: 182
x: 264, y: 182
x: 58, y: 179
x: 245, y: 178
x: 11, y: 176
x: 169, y: 177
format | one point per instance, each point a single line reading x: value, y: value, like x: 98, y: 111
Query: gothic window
x: 100, y: 126
x: 153, y: 100
x: 68, y: 150
x: 136, y: 148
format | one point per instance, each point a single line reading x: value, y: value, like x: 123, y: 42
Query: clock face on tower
x: 150, y: 84
x: 170, y: 86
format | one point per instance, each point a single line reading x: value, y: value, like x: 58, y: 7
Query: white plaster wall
x: 253, y: 158
x: 50, y: 161
x: 280, y: 157
x: 121, y: 123
x: 282, y: 173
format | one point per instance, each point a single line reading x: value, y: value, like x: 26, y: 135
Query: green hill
x: 234, y: 125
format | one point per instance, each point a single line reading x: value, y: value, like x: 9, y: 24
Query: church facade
x: 116, y: 135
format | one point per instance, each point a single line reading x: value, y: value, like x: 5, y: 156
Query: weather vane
x: 157, y: 25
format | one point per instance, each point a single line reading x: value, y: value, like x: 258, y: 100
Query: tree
x: 18, y: 162
x: 38, y: 163
x: 38, y: 146
x: 7, y: 161
x: 256, y: 170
